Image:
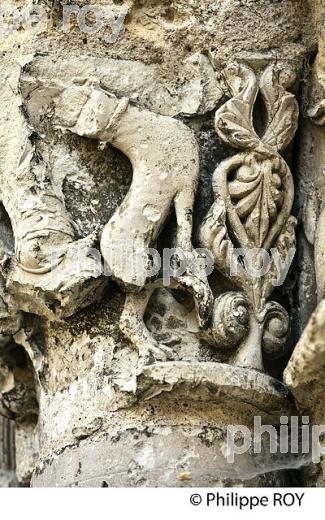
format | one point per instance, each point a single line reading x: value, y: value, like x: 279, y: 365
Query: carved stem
x: 250, y: 351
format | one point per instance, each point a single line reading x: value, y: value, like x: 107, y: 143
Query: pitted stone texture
x: 216, y: 383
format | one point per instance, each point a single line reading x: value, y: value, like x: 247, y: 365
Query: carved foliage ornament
x: 251, y: 216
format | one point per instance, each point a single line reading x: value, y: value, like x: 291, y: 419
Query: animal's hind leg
x: 194, y: 279
x: 134, y: 328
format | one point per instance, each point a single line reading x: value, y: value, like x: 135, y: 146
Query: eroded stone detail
x: 41, y: 272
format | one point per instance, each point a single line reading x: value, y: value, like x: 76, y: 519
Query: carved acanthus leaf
x: 282, y: 109
x: 234, y: 120
x: 256, y: 196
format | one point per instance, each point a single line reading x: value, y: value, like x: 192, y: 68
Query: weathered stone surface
x: 305, y: 377
x: 175, y: 422
x: 305, y: 373
x: 175, y: 127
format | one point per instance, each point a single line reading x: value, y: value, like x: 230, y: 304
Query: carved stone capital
x: 149, y: 225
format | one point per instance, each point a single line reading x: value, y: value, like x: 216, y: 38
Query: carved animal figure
x: 165, y: 160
